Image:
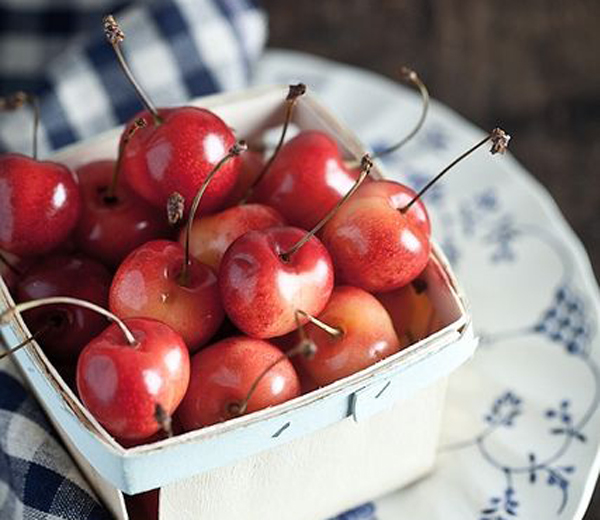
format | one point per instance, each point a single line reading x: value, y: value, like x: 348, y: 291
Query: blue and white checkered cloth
x: 178, y: 49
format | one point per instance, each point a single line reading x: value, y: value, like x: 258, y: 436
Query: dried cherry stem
x: 111, y: 193
x: 163, y: 419
x: 10, y: 265
x: 365, y: 167
x: 294, y: 92
x: 305, y: 348
x: 237, y: 149
x: 115, y: 35
x: 26, y: 342
x: 17, y: 100
x: 332, y: 331
x: 499, y: 139
x: 409, y: 76
x: 33, y: 304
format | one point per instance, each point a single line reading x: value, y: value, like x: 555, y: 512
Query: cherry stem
x: 17, y: 100
x: 25, y: 306
x: 411, y: 77
x: 306, y: 348
x: 237, y: 149
x: 163, y: 419
x: 26, y: 342
x: 294, y: 92
x: 332, y: 331
x: 11, y: 266
x: 111, y: 194
x: 499, y: 139
x: 365, y: 167
x: 115, y: 35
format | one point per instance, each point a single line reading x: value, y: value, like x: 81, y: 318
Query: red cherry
x: 213, y: 234
x: 149, y: 284
x: 262, y: 287
x: 177, y: 154
x: 69, y: 327
x: 121, y: 384
x: 111, y: 227
x: 373, y: 243
x: 176, y: 148
x: 39, y: 204
x: 251, y: 164
x: 306, y: 179
x: 222, y: 375
x: 364, y: 334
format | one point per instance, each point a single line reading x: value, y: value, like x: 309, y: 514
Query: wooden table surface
x: 531, y: 66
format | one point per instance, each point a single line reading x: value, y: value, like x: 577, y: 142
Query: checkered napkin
x: 179, y: 49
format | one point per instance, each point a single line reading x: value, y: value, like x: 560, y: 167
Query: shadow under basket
x: 306, y: 459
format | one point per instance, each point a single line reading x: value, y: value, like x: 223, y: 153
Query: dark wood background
x: 531, y: 65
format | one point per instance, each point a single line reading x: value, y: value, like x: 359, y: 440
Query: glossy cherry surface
x: 111, y: 227
x: 222, y: 374
x: 251, y: 164
x: 70, y: 327
x: 121, y: 384
x: 39, y: 204
x: 306, y: 179
x: 261, y: 290
x: 374, y: 245
x: 213, y: 234
x: 148, y: 284
x: 178, y: 154
x: 366, y: 336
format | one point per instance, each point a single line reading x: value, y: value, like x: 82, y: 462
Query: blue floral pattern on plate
x: 521, y: 431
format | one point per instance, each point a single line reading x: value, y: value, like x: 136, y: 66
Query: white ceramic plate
x: 522, y: 427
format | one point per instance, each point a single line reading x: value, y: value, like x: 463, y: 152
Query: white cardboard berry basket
x: 306, y: 459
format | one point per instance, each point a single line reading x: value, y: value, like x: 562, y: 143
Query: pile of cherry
x: 235, y: 278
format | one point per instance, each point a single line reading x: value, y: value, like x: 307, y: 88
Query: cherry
x: 379, y: 240
x: 160, y: 280
x: 111, y: 226
x: 212, y: 235
x: 71, y: 327
x: 128, y: 371
x: 11, y: 269
x: 39, y: 200
x: 306, y: 179
x: 266, y: 275
x: 252, y: 164
x: 149, y: 283
x: 412, y: 311
x: 353, y: 332
x: 223, y: 374
x: 177, y: 148
x: 121, y: 382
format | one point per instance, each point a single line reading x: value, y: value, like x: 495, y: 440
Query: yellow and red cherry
x: 353, y: 332
x: 212, y: 235
x: 223, y: 375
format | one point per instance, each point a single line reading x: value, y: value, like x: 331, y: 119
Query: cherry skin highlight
x: 121, y: 384
x: 147, y: 284
x: 374, y: 245
x: 366, y: 336
x: 111, y: 227
x: 70, y: 327
x: 261, y: 290
x: 39, y: 204
x: 306, y: 179
x: 177, y: 155
x: 213, y: 234
x: 223, y: 373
